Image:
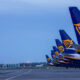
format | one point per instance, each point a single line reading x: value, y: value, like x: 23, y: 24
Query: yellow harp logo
x: 53, y: 56
x: 77, y: 26
x: 67, y: 43
x: 48, y: 59
x: 56, y: 53
x: 61, y: 48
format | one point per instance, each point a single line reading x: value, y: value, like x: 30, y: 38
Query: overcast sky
x: 28, y: 28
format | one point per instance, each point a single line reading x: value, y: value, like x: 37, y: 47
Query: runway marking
x: 10, y: 73
x: 18, y: 75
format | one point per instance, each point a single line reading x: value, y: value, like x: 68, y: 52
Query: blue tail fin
x: 56, y: 51
x: 75, y: 15
x: 67, y: 41
x: 59, y: 45
x: 52, y: 54
x: 48, y: 59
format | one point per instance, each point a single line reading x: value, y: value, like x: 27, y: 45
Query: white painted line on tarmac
x: 9, y: 73
x: 18, y: 75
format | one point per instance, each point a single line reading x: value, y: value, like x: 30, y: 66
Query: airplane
x: 53, y: 62
x: 49, y: 61
x: 60, y: 46
x: 55, y: 59
x: 64, y: 52
x: 70, y: 51
x: 53, y: 55
x: 66, y: 39
x: 70, y: 55
x: 75, y: 16
x: 61, y: 49
x: 57, y: 53
x: 68, y: 42
x: 59, y: 57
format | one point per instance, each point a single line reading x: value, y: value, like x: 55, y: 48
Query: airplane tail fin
x: 56, y: 51
x: 52, y: 54
x: 48, y: 59
x: 59, y: 45
x: 75, y: 15
x: 67, y: 41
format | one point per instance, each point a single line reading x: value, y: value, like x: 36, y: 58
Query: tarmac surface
x: 41, y: 74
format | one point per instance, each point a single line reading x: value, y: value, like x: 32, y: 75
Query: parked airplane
x: 68, y: 42
x: 49, y: 62
x: 60, y: 46
x: 70, y: 55
x: 75, y: 16
x: 59, y: 57
x: 54, y: 57
x: 70, y: 51
x: 61, y: 49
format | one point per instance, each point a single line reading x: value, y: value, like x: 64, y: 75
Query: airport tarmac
x: 41, y: 74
